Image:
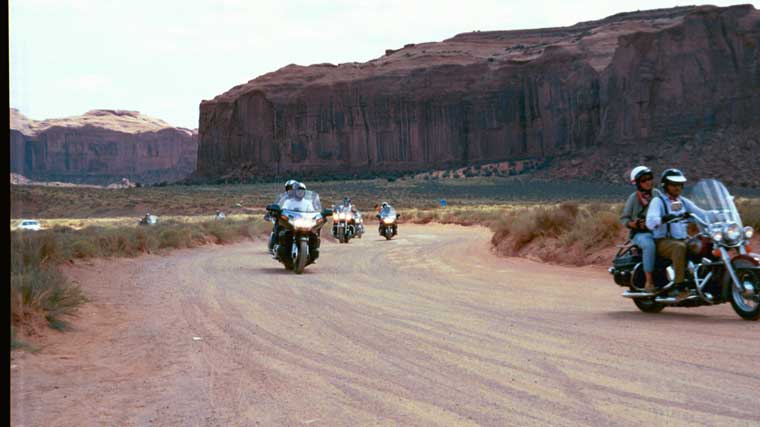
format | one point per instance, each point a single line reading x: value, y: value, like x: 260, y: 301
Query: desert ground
x: 429, y: 329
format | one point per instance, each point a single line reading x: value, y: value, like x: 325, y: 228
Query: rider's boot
x: 680, y: 292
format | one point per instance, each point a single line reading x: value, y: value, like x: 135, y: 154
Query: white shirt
x: 656, y: 212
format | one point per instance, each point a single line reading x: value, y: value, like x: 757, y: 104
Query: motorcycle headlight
x: 733, y: 233
x: 716, y: 234
x: 748, y: 232
x: 341, y: 216
x: 304, y: 223
x: 389, y: 220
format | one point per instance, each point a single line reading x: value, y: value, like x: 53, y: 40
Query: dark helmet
x: 346, y: 200
x: 672, y: 176
x: 289, y: 185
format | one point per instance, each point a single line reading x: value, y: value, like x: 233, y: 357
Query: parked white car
x: 29, y: 224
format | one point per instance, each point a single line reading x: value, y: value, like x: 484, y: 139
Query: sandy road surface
x: 430, y: 329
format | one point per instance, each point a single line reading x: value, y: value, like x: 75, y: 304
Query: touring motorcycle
x: 346, y: 224
x: 720, y: 265
x: 300, y: 219
x: 388, y: 222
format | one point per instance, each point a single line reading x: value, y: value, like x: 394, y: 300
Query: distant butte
x: 101, y: 147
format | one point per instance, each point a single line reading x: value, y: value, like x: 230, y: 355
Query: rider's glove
x: 641, y: 224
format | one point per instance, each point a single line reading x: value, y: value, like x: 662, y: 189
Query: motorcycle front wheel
x: 300, y: 262
x: 746, y: 304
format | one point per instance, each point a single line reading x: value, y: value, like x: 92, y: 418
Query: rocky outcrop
x: 101, y: 147
x: 494, y: 96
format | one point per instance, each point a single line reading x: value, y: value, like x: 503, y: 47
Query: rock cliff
x: 493, y: 96
x: 101, y: 147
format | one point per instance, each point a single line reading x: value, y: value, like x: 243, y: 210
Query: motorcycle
x: 300, y: 219
x: 148, y: 220
x: 346, y: 224
x: 388, y: 223
x: 720, y: 265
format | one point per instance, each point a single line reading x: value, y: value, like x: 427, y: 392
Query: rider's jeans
x: 645, y: 241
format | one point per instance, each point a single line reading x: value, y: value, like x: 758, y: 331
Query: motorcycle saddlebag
x: 623, y: 265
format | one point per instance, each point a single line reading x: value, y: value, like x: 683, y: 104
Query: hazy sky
x: 163, y: 57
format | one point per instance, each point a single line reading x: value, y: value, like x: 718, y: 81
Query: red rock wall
x: 101, y: 156
x: 702, y: 73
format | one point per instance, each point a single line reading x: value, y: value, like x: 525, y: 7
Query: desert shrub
x: 145, y: 241
x: 175, y: 237
x: 37, y: 286
x: 223, y: 233
x: 559, y: 227
x: 83, y: 248
x: 593, y: 229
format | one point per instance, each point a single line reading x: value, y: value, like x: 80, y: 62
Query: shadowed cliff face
x: 497, y: 95
x: 101, y: 147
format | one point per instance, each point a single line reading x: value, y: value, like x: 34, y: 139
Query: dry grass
x: 568, y: 233
x: 40, y: 291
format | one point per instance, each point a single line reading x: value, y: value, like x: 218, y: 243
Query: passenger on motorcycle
x: 634, y: 217
x: 670, y: 237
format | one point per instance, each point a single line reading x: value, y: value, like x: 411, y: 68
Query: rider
x: 384, y: 208
x: 297, y: 201
x: 275, y: 229
x: 357, y: 215
x: 670, y: 238
x: 634, y: 217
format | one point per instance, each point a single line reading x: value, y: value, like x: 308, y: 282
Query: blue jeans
x: 645, y: 241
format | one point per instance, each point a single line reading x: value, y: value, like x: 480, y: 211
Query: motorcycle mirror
x: 378, y: 216
x: 398, y: 216
x: 327, y: 212
x: 273, y: 207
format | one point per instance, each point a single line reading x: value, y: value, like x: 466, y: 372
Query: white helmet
x: 289, y: 185
x: 299, y: 190
x: 638, y: 172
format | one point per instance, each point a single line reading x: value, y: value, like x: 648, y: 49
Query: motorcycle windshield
x: 388, y: 212
x: 300, y: 201
x: 713, y: 197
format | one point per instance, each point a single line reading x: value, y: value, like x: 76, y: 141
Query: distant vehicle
x: 30, y: 224
x: 148, y: 219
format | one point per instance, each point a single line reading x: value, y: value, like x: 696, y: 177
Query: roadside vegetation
x: 40, y: 293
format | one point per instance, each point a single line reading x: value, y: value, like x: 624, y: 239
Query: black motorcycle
x: 388, y: 223
x: 300, y: 219
x: 720, y: 266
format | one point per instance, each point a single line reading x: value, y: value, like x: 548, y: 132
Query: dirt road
x: 430, y: 329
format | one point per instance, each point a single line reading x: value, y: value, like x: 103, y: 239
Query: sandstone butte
x: 101, y: 147
x: 494, y: 95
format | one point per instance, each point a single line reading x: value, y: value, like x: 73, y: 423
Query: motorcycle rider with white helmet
x: 634, y: 218
x: 289, y: 184
x: 670, y: 238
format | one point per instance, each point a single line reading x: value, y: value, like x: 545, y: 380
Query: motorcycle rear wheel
x: 746, y: 308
